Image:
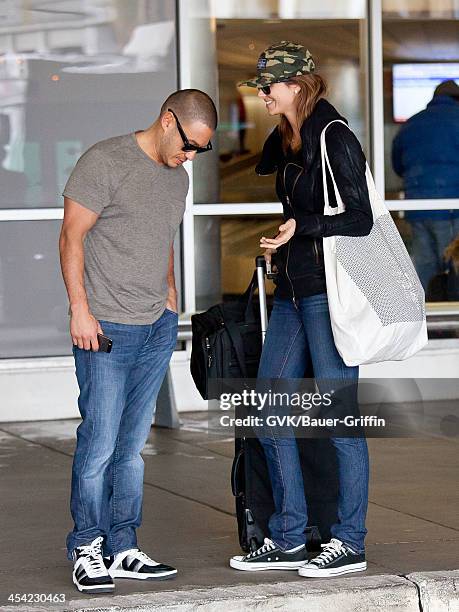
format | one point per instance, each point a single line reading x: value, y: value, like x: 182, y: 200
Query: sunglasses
x: 187, y: 146
x: 266, y: 89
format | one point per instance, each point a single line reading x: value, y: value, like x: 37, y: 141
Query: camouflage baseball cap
x: 281, y: 62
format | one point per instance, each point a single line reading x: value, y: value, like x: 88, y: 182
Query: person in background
x: 452, y: 258
x: 425, y: 153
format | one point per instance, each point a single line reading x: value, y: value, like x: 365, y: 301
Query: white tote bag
x: 376, y: 302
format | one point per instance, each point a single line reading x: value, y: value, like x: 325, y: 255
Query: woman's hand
x: 286, y: 231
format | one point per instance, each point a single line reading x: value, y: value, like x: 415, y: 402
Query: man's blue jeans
x: 118, y: 391
x: 300, y: 335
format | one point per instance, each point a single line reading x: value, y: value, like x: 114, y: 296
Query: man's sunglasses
x: 187, y: 146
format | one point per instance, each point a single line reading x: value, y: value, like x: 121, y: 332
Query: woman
x: 299, y: 333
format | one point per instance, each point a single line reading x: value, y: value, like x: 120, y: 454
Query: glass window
x: 227, y: 40
x: 432, y: 240
x: 226, y: 247
x: 34, y: 320
x: 225, y: 251
x: 33, y: 301
x: 420, y: 51
x: 73, y: 73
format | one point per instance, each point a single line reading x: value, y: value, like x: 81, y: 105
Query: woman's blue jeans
x: 118, y: 392
x: 299, y: 335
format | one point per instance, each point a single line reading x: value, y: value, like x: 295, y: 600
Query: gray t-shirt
x: 140, y: 204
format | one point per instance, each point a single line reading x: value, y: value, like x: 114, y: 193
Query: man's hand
x: 84, y: 329
x: 286, y: 231
x: 171, y: 303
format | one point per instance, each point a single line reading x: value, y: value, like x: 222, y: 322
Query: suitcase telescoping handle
x: 260, y: 263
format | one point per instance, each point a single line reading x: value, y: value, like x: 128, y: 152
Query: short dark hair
x: 192, y: 105
x: 448, y: 88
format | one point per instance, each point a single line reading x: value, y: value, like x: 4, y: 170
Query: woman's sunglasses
x: 187, y: 146
x: 266, y: 89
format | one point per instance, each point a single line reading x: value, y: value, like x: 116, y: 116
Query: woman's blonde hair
x: 452, y: 253
x: 312, y: 88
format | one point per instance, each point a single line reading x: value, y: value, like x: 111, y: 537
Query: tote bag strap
x: 328, y: 210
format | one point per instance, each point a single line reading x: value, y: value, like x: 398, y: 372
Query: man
x: 426, y: 154
x: 123, y: 205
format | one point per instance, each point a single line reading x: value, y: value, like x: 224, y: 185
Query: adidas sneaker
x: 136, y: 564
x: 89, y: 571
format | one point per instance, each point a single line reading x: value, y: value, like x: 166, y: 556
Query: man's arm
x: 78, y: 220
x: 172, y: 292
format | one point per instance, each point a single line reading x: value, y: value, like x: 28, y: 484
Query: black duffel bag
x: 227, y: 341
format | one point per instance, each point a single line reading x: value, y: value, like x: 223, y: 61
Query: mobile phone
x: 105, y: 343
x: 269, y: 271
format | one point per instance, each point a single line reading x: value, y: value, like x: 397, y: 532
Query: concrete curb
x: 350, y: 594
x: 417, y: 592
x: 438, y: 591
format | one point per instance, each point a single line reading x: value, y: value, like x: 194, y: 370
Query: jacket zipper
x: 293, y: 213
x: 316, y: 250
x: 209, y: 354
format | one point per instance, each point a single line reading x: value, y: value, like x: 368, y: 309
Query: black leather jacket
x: 299, y: 187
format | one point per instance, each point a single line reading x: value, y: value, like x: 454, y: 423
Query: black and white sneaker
x: 136, y: 564
x: 89, y: 571
x: 336, y: 558
x: 270, y: 557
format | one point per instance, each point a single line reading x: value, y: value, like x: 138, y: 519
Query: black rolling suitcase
x: 250, y: 479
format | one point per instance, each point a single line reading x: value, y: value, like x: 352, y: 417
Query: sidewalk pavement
x: 188, y: 521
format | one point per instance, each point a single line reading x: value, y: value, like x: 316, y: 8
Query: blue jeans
x: 300, y: 335
x: 430, y: 239
x: 118, y: 392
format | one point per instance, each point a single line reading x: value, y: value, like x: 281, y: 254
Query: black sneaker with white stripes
x: 336, y: 558
x: 89, y: 571
x: 136, y: 564
x: 270, y: 556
